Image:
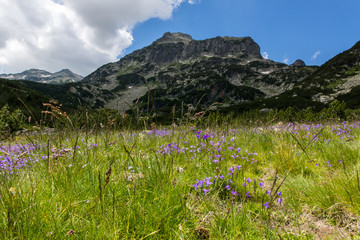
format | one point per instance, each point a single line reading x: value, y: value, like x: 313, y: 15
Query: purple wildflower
x: 231, y: 171
x: 207, y: 182
x: 206, y: 136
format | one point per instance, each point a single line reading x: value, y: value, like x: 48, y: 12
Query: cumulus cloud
x: 77, y: 34
x: 194, y: 1
x: 316, y: 54
x: 265, y: 55
x: 285, y: 60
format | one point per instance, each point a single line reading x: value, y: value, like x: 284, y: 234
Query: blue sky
x: 313, y: 31
x: 83, y: 35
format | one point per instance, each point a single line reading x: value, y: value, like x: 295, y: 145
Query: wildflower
x: 279, y: 200
x: 248, y: 194
x: 197, y: 184
x: 215, y: 160
x: 231, y: 171
x: 206, y: 136
x: 266, y: 205
x: 208, y: 181
x: 205, y: 191
x: 279, y: 193
x: 268, y: 193
x: 248, y: 180
x: 227, y: 187
x: 261, y: 185
x: 234, y: 193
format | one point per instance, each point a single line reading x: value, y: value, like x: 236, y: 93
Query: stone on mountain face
x: 264, y: 110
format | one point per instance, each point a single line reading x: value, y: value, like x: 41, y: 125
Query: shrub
x: 10, y: 121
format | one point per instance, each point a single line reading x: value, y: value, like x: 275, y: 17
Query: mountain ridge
x: 221, y: 73
x: 42, y: 76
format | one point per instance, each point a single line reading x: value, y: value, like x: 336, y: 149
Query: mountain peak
x: 299, y: 63
x: 174, y: 38
x: 65, y: 71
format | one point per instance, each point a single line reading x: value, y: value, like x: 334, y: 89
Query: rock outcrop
x: 299, y: 63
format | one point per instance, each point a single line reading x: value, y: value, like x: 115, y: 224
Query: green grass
x: 133, y: 185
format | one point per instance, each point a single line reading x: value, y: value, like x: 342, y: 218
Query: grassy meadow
x: 276, y: 181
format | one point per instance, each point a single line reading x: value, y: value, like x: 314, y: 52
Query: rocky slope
x: 337, y: 79
x: 177, y: 70
x: 41, y: 76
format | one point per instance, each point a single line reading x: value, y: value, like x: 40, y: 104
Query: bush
x: 10, y: 121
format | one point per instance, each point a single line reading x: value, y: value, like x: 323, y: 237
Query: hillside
x: 18, y: 96
x: 338, y: 78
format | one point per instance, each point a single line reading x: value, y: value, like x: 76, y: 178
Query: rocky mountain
x: 178, y: 70
x: 41, y: 76
x: 223, y: 73
x: 337, y: 79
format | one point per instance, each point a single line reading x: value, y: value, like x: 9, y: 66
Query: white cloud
x: 316, y: 54
x: 194, y: 1
x: 265, y: 55
x: 77, y: 34
x: 285, y: 60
